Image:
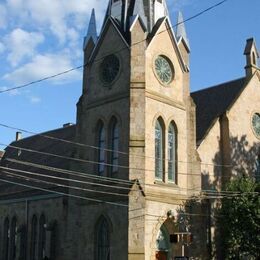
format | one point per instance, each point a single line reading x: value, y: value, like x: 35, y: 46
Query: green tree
x: 239, y: 220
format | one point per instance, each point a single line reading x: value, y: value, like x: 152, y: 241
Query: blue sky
x: 39, y: 38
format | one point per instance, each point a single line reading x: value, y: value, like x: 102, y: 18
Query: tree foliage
x: 239, y: 220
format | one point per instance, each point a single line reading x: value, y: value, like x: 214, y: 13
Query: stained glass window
x: 171, y: 153
x: 33, y: 238
x: 13, y: 239
x: 6, y: 239
x: 109, y: 68
x: 115, y: 146
x: 42, y: 238
x: 164, y: 69
x: 103, y: 241
x: 158, y: 151
x: 101, y: 150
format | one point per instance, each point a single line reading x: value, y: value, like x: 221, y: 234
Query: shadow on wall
x: 238, y: 160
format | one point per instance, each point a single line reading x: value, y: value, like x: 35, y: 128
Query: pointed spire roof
x: 92, y: 29
x: 139, y: 10
x: 180, y: 29
x: 250, y: 44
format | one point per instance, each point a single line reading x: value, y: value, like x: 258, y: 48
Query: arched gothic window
x: 158, y: 150
x: 254, y: 58
x: 6, y: 239
x: 101, y: 149
x: 103, y: 240
x: 172, y: 153
x: 33, y: 238
x: 42, y: 238
x: 13, y: 239
x: 114, y: 146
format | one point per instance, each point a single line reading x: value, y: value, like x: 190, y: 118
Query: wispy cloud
x: 43, y: 66
x: 22, y: 44
x: 35, y: 100
x: 62, y: 16
x: 14, y: 92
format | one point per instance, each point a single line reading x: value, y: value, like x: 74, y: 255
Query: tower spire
x: 139, y: 10
x: 252, y: 56
x: 180, y: 30
x: 92, y: 30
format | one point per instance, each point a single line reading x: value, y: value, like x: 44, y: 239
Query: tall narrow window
x: 172, y: 153
x: 6, y: 239
x: 33, y: 238
x: 13, y: 239
x: 254, y: 58
x: 103, y: 241
x: 101, y: 150
x: 42, y: 238
x: 115, y: 146
x: 158, y: 151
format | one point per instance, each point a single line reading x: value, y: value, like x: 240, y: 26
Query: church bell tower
x: 135, y: 113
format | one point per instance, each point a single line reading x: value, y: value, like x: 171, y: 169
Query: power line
x: 94, y: 162
x: 74, y: 173
x: 108, y: 150
x: 56, y: 183
x: 84, y: 65
x: 64, y: 194
x: 205, y: 192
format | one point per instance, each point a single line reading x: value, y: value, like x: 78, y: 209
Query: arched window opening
x: 254, y: 58
x: 101, y: 150
x: 172, y: 153
x: 42, y: 238
x: 115, y: 146
x: 33, y: 238
x: 158, y: 151
x: 13, y: 239
x: 103, y: 240
x: 6, y: 239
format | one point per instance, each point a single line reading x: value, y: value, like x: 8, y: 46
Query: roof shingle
x: 213, y: 102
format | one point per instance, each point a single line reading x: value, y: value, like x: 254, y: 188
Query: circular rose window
x: 164, y: 69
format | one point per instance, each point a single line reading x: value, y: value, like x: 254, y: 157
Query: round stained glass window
x: 256, y: 124
x: 164, y: 69
x: 109, y: 68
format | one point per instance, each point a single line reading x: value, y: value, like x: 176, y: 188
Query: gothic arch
x: 115, y: 116
x: 103, y: 231
x: 13, y: 238
x: 6, y: 230
x: 166, y: 223
x: 42, y: 237
x: 253, y: 58
x: 160, y: 117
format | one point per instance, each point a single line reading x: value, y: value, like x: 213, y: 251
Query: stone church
x: 135, y: 176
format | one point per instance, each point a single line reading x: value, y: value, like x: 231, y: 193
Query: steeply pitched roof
x: 46, y: 147
x: 213, y: 102
x: 30, y: 168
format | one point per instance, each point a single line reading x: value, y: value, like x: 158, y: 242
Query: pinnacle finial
x: 92, y: 29
x: 181, y: 31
